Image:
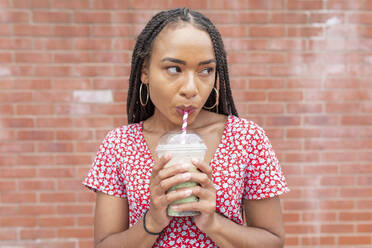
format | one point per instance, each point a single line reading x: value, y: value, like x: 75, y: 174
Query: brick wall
x: 299, y: 68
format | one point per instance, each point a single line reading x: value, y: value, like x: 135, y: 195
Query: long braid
x: 142, y: 53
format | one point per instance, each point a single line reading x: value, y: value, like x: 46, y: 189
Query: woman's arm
x: 265, y: 227
x: 111, y: 225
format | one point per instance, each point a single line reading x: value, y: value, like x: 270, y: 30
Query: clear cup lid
x: 179, y: 140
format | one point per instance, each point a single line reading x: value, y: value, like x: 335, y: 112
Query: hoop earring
x: 140, y: 95
x: 216, y: 103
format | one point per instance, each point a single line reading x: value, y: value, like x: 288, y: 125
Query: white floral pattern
x: 244, y: 166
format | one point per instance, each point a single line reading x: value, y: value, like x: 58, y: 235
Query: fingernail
x: 194, y: 161
x: 167, y: 156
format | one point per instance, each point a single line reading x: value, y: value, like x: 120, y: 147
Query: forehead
x: 183, y: 41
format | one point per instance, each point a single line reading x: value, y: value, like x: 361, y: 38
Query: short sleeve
x: 104, y: 174
x: 263, y: 177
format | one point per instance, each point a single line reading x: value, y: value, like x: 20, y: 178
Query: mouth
x: 181, y: 109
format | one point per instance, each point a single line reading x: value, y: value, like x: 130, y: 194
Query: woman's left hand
x: 206, y: 192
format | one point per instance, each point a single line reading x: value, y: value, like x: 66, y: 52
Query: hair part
x: 142, y: 53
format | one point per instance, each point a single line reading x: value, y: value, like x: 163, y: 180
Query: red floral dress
x: 244, y: 166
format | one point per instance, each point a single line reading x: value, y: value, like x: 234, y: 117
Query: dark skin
x: 188, y: 80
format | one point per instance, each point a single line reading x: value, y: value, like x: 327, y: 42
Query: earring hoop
x: 216, y: 103
x: 147, y: 95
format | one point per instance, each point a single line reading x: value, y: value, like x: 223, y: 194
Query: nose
x: 189, y: 88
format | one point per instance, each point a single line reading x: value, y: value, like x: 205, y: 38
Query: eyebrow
x: 178, y: 61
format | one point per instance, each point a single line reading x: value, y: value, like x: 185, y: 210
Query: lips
x: 182, y: 109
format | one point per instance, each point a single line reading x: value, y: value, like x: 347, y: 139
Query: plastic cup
x: 183, y: 148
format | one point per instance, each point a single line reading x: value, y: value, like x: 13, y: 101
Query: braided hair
x: 142, y: 53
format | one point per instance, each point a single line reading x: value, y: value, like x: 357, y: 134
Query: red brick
x: 86, y: 196
x: 320, y: 193
x: 4, y: 3
x: 148, y: 4
x: 319, y: 216
x: 305, y: 4
x: 71, y: 31
x: 17, y: 221
x: 305, y: 31
x: 35, y: 135
x: 111, y: 4
x: 342, y: 107
x: 304, y: 108
x: 289, y: 18
x: 355, y: 216
x: 18, y: 197
x: 267, y: 31
x: 35, y: 109
x: 368, y: 4
x: 37, y: 233
x: 85, y: 221
x: 300, y: 180
x: 361, y: 192
x: 321, y: 120
x: 73, y: 159
x: 51, y: 16
x: 266, y: 83
x: 224, y: 5
x: 75, y: 232
x: 69, y: 185
x: 364, y: 228
x: 74, y: 209
x: 265, y: 108
x: 291, y: 241
x: 192, y: 4
x: 31, y: 3
x: 273, y: 58
x: 337, y: 228
x: 33, y: 30
x: 36, y: 185
x: 8, y: 234
x: 94, y: 122
x: 243, y: 44
x: 87, y: 147
x: 92, y: 17
x: 360, y: 18
x: 354, y: 240
x: 250, y: 17
x: 55, y: 147
x: 56, y: 221
x: 345, y: 4
x: 285, y: 44
x: 313, y: 241
x: 15, y: 43
x: 265, y: 4
x: 300, y: 229
x: 285, y: 96
x: 336, y: 205
x: 74, y: 135
x: 232, y: 30
x: 7, y: 185
x: 283, y: 120
x: 36, y: 210
x: 57, y: 197
x: 356, y: 120
x: 56, y: 172
x: 302, y: 157
x: 5, y: 57
x: 53, y: 44
x: 14, y: 16
x: 92, y: 44
x: 248, y: 70
x: 217, y: 17
x: 63, y: 4
x: 317, y: 17
x: 16, y: 147
x: 17, y: 172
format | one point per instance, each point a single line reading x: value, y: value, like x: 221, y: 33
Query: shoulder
x: 240, y: 125
x: 123, y: 133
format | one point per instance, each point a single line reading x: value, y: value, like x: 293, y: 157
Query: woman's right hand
x: 161, y: 180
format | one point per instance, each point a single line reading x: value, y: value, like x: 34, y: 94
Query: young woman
x: 179, y: 64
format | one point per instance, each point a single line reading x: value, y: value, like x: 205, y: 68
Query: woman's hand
x: 161, y: 180
x: 207, y: 197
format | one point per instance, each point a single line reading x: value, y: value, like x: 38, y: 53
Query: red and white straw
x: 184, y: 121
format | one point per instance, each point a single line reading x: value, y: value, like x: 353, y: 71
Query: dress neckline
x: 147, y: 149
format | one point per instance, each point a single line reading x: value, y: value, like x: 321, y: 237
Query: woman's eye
x: 173, y: 69
x: 207, y: 71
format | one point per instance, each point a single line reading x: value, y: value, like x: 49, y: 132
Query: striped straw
x: 184, y: 122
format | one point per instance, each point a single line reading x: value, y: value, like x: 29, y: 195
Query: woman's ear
x: 145, y: 73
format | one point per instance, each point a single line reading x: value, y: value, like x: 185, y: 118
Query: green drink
x: 183, y: 148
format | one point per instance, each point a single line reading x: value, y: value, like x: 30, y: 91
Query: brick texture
x: 299, y: 68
